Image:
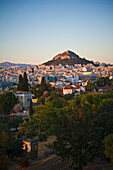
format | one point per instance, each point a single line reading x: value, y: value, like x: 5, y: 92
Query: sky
x: 34, y: 31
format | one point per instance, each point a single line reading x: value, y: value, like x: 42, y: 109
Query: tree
x: 4, y: 162
x: 69, y: 96
x: 34, y: 91
x: 91, y: 86
x: 29, y: 129
x: 17, y: 108
x: 103, y: 81
x: 39, y: 93
x: 7, y: 102
x: 43, y: 85
x: 25, y: 82
x: 106, y: 116
x: 111, y: 82
x: 10, y: 146
x: 45, y: 94
x: 74, y: 140
x: 30, y: 109
x: 108, y: 141
x: 41, y: 100
x: 14, y: 121
x: 41, y: 89
x: 79, y: 125
x: 5, y: 145
x: 20, y: 84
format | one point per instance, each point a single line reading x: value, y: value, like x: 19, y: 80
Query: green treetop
x: 7, y: 102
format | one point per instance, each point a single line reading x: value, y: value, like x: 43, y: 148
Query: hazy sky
x: 34, y: 31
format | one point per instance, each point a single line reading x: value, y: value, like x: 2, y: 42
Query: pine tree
x: 20, y: 84
x: 30, y: 109
x: 25, y: 82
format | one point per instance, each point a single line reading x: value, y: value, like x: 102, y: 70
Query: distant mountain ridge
x: 8, y: 64
x: 68, y: 58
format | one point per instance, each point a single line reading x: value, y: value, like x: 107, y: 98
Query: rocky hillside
x: 67, y: 57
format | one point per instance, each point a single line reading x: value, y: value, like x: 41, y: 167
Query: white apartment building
x: 24, y: 99
x: 68, y: 90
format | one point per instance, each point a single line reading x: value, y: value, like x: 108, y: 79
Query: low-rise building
x: 31, y: 145
x: 69, y: 90
x: 105, y: 89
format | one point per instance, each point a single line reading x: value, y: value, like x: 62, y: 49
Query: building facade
x: 24, y: 99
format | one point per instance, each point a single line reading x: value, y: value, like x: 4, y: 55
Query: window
x: 35, y: 146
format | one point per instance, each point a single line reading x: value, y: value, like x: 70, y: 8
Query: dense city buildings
x: 66, y: 79
x: 56, y: 75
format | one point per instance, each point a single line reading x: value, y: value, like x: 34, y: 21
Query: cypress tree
x: 43, y: 85
x: 20, y: 84
x: 25, y: 82
x: 30, y: 109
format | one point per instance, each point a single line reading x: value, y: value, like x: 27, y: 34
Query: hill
x: 8, y: 64
x: 68, y: 58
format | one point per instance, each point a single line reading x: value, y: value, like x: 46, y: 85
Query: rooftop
x: 23, y: 92
x: 31, y: 140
